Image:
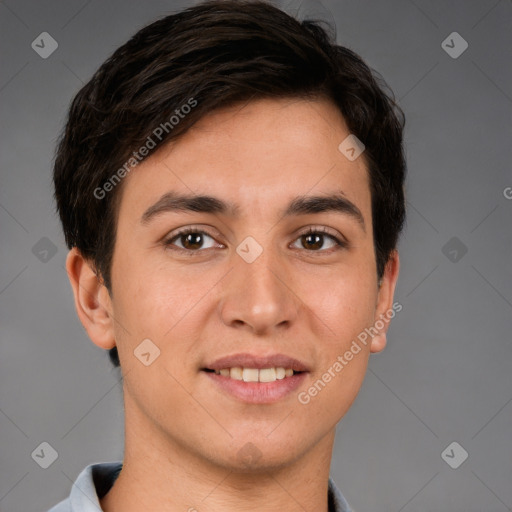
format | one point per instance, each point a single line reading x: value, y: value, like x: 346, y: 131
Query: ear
x: 384, y: 310
x: 92, y: 300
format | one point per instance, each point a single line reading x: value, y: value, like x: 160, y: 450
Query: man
x: 230, y: 184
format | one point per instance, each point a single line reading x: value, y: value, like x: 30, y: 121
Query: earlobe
x: 92, y: 300
x: 378, y: 342
x: 385, y: 311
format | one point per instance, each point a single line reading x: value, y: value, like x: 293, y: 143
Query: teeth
x: 236, y: 373
x: 250, y: 374
x: 267, y: 375
x: 281, y: 373
x: 256, y: 375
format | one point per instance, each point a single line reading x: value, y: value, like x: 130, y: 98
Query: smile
x: 255, y: 374
x: 256, y: 386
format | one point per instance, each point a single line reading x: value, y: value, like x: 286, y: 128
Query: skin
x: 182, y: 433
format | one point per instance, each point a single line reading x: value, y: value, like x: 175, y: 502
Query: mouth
x: 256, y: 378
x: 255, y: 385
x: 239, y: 373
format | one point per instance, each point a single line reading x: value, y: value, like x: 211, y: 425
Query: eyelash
x: 340, y: 243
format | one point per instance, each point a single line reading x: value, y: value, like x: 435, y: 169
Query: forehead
x: 257, y: 155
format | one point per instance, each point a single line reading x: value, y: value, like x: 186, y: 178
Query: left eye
x: 315, y: 240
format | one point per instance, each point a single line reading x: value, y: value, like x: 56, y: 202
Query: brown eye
x: 190, y: 240
x: 315, y: 240
x: 312, y: 241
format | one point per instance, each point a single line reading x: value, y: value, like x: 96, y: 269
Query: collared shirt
x: 96, y: 480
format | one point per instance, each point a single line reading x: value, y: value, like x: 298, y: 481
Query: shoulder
x: 91, y: 484
x: 63, y: 506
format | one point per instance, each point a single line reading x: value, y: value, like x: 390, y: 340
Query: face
x: 263, y: 269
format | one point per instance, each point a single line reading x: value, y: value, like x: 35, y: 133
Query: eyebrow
x: 301, y: 205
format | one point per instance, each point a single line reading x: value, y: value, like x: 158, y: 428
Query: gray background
x: 445, y: 374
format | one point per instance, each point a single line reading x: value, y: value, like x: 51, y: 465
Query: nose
x: 258, y: 296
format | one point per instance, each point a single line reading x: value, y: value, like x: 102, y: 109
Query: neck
x: 161, y: 473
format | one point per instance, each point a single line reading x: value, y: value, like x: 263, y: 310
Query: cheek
x: 151, y: 299
x: 345, y: 301
x: 169, y: 306
x: 348, y: 308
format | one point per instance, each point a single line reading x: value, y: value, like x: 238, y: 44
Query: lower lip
x: 258, y: 392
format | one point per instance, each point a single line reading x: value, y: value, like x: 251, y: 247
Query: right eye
x: 191, y: 240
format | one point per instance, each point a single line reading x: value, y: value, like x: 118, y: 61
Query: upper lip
x: 246, y: 360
